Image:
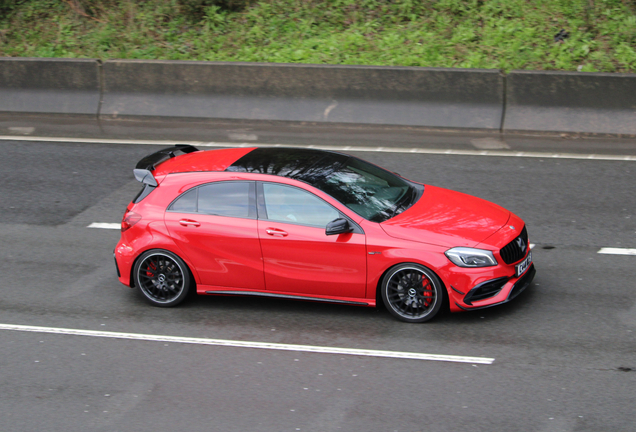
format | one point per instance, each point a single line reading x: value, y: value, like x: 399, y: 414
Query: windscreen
x: 368, y: 190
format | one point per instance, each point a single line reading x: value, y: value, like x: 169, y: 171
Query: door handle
x: 186, y: 222
x: 276, y: 232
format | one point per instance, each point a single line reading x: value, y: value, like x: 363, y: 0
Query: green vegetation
x: 500, y: 34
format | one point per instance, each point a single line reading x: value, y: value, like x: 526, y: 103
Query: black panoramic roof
x: 301, y: 164
x: 351, y: 181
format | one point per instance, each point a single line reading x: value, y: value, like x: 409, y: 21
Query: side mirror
x: 338, y: 226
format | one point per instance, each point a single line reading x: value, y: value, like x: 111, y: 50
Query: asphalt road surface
x: 564, y: 351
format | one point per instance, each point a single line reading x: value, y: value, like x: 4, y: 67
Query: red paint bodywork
x: 238, y: 255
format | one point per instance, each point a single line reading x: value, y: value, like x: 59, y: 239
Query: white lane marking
x: 617, y: 251
x: 244, y: 344
x: 103, y: 225
x: 544, y: 155
x: 532, y: 245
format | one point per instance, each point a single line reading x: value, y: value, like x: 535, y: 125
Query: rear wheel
x: 412, y: 293
x: 162, y: 277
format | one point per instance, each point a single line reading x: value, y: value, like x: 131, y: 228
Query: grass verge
x: 499, y: 34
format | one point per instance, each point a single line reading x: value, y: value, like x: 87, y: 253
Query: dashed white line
x: 617, y: 251
x: 102, y: 225
x: 244, y: 344
x: 417, y: 150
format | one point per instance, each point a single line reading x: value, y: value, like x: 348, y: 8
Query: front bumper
x: 510, y: 289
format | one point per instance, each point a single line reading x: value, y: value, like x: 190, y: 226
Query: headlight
x: 469, y: 257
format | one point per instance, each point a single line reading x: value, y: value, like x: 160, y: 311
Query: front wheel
x: 162, y: 277
x: 412, y: 293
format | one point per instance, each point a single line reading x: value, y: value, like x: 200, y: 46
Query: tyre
x: 412, y: 293
x: 162, y: 277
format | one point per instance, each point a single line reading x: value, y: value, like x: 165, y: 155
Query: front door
x: 299, y: 258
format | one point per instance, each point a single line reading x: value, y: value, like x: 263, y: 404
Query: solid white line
x: 415, y: 150
x: 617, y: 251
x: 103, y: 225
x: 242, y: 344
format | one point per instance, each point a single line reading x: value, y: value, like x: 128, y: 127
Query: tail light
x: 130, y: 218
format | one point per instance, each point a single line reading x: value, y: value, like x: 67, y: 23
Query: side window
x: 224, y: 198
x: 228, y: 198
x: 186, y: 203
x: 292, y: 205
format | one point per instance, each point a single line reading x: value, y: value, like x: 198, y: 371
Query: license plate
x: 523, y: 265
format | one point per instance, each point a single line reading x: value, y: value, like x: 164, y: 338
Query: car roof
x: 295, y: 163
x: 208, y: 160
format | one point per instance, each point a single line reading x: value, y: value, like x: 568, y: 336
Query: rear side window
x: 187, y: 203
x: 227, y: 198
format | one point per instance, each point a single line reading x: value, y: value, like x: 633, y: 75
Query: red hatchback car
x: 315, y: 225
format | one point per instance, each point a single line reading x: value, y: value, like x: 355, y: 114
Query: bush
x: 7, y: 6
x: 195, y: 10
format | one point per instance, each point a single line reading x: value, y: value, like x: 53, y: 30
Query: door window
x: 292, y: 205
x: 225, y: 198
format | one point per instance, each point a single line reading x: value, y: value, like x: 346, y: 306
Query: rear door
x: 216, y: 228
x: 299, y: 258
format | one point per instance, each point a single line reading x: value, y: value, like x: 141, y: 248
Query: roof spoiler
x: 151, y: 161
x: 144, y: 167
x: 144, y: 176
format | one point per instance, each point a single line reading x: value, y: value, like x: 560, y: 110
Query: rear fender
x: 160, y: 239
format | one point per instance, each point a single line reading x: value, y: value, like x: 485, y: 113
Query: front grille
x: 515, y: 250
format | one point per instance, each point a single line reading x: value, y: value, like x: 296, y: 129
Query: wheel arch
x: 378, y: 294
x: 193, y: 276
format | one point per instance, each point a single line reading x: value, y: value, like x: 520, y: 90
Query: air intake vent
x: 485, y: 290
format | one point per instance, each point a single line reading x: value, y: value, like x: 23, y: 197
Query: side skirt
x: 284, y: 296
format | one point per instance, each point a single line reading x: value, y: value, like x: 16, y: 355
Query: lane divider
x: 102, y: 225
x: 608, y: 251
x: 605, y: 250
x: 617, y: 251
x: 244, y: 344
x: 410, y: 150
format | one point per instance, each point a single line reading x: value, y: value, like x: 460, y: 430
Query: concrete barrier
x: 37, y: 93
x: 438, y: 98
x: 597, y: 103
x: 49, y: 86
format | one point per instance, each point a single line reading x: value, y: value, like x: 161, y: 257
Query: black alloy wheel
x: 162, y: 277
x: 412, y: 293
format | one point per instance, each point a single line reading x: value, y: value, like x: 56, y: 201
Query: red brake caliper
x: 428, y: 293
x: 151, y: 266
